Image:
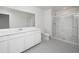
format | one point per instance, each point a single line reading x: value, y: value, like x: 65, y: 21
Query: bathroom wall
x: 67, y: 11
x: 50, y: 14
x: 48, y: 21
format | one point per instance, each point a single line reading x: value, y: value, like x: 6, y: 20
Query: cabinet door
x: 32, y: 39
x: 4, y: 47
x: 16, y: 45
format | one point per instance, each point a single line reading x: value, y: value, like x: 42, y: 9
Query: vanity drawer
x: 3, y: 38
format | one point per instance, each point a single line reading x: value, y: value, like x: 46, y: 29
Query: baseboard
x: 66, y: 41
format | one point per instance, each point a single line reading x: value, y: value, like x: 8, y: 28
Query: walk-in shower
x: 66, y: 27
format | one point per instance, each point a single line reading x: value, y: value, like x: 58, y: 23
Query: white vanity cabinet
x: 32, y: 39
x: 4, y: 44
x: 18, y: 42
x: 4, y: 47
x: 23, y: 41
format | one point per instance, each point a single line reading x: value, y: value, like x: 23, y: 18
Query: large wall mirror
x: 4, y: 21
x: 11, y: 18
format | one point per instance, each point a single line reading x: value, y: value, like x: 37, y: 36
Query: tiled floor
x: 53, y: 46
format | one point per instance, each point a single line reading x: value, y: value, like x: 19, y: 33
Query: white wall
x: 48, y: 21
x: 68, y: 11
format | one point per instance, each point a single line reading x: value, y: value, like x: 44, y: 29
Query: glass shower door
x: 64, y: 27
x: 76, y: 18
x: 75, y: 29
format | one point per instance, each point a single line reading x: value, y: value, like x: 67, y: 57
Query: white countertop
x: 6, y: 32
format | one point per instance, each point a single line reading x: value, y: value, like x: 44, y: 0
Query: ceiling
x: 57, y: 8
